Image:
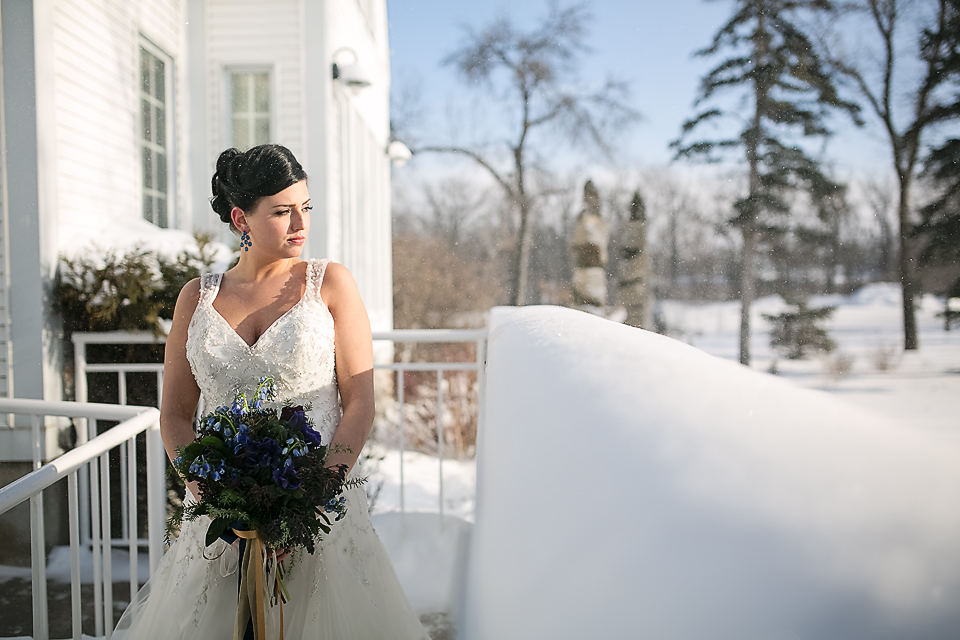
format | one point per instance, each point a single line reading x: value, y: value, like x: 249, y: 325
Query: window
x: 154, y: 155
x: 249, y: 108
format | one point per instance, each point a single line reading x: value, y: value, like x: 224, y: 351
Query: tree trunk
x: 747, y: 290
x: 907, y: 270
x: 674, y: 253
x: 522, y: 265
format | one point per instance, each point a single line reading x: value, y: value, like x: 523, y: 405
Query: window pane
x: 162, y: 212
x: 145, y: 70
x: 241, y: 133
x: 145, y: 128
x: 148, y: 208
x: 261, y: 131
x: 161, y: 85
x: 161, y: 173
x: 240, y: 92
x: 147, y: 156
x: 261, y: 93
x: 161, y: 126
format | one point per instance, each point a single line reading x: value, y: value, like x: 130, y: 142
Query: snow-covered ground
x: 919, y: 388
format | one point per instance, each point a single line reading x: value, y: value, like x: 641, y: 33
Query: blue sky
x: 648, y: 43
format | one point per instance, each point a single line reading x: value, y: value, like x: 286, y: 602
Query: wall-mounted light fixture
x: 349, y: 72
x: 398, y: 153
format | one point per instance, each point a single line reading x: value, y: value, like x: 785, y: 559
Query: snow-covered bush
x: 125, y: 292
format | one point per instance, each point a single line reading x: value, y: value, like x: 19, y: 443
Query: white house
x: 113, y: 115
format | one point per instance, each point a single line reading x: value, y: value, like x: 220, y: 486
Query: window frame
x: 170, y: 101
x: 226, y: 101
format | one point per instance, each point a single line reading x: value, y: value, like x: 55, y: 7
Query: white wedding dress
x: 347, y: 589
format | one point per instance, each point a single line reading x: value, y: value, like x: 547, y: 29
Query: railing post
x: 132, y: 514
x: 400, y: 390
x: 107, y: 537
x: 38, y: 567
x: 440, y: 436
x: 95, y: 546
x: 38, y: 552
x: 74, y: 523
x: 80, y: 393
x: 156, y: 494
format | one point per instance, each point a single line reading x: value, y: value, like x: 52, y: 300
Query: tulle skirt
x: 346, y: 590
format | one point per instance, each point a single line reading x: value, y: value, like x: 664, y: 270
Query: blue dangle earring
x: 245, y: 243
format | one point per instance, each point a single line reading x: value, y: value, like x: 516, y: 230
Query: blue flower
x: 286, y: 478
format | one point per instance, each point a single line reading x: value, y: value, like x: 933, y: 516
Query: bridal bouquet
x: 262, y: 470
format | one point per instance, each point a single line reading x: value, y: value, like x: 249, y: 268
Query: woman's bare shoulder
x: 338, y: 285
x: 187, y: 301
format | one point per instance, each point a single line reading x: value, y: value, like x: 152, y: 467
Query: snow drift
x: 632, y: 486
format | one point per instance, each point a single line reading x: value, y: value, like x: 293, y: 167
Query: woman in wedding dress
x: 302, y: 323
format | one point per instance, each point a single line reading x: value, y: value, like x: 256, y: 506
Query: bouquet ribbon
x: 251, y: 603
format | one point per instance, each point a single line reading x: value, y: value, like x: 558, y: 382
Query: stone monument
x: 636, y: 279
x: 590, y: 252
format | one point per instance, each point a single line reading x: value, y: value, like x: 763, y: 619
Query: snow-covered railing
x: 478, y: 337
x: 94, y: 455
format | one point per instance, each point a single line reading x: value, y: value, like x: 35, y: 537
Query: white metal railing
x: 478, y: 337
x: 95, y: 456
x: 87, y: 431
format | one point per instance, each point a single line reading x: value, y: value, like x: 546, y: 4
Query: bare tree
x: 533, y: 70
x: 927, y: 107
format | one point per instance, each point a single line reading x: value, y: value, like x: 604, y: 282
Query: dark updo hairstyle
x: 243, y: 178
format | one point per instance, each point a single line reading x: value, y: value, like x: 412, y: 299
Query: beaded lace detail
x: 297, y: 350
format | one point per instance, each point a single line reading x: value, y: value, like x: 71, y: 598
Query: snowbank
x: 633, y: 486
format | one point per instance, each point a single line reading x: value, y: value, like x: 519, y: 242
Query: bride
x: 303, y: 323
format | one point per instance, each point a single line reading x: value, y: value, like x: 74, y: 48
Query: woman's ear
x: 239, y: 219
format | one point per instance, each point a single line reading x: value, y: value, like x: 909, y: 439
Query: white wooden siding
x: 255, y: 33
x: 96, y: 66
x: 5, y: 345
x: 359, y: 174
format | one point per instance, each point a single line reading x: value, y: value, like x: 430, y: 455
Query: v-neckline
x: 256, y: 342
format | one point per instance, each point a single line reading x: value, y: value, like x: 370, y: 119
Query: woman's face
x: 278, y: 225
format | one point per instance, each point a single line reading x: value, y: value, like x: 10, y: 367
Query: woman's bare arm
x: 180, y: 390
x: 354, y: 362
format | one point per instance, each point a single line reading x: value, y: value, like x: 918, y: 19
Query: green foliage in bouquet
x: 263, y: 470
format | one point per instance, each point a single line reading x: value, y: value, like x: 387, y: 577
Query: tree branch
x: 478, y: 159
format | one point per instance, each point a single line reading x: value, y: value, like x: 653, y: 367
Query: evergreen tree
x: 798, y: 333
x: 771, y: 61
x: 941, y: 218
x: 926, y: 101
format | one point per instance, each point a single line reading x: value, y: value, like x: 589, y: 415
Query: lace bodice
x: 296, y: 350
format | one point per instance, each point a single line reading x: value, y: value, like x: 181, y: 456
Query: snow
x: 428, y: 553
x: 630, y: 485
x: 421, y: 475
x: 920, y: 389
x: 58, y: 566
x: 94, y: 236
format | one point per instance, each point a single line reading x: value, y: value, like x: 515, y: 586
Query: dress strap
x: 209, y: 286
x: 315, y: 270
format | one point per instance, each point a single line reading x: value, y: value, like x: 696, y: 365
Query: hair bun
x: 242, y: 178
